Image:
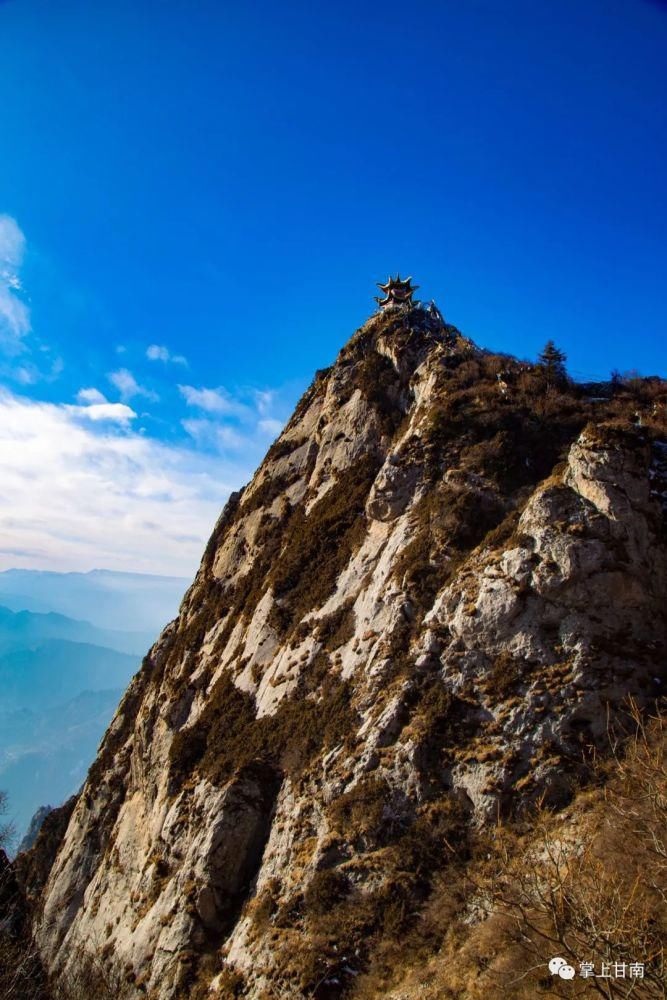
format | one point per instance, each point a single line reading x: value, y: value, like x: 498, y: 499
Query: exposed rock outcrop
x: 425, y: 608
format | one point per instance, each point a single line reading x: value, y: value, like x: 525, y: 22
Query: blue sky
x: 198, y: 198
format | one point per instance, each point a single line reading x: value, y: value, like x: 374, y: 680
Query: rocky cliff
x: 424, y: 612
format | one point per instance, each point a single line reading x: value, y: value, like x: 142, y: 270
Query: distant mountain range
x: 69, y: 645
x: 45, y: 753
x: 126, y: 601
x: 25, y: 629
x: 57, y: 669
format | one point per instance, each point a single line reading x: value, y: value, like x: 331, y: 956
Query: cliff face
x: 419, y: 614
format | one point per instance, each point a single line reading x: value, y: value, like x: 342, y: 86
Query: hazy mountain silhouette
x: 125, y: 601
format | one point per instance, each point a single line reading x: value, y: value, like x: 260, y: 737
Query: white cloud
x: 118, y: 412
x: 14, y: 314
x: 158, y: 352
x: 214, y: 401
x: 91, y: 395
x: 128, y: 386
x: 95, y: 406
x: 78, y: 492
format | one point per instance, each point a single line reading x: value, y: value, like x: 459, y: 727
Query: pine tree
x: 552, y: 361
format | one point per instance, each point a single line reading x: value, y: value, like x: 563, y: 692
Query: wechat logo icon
x: 559, y: 967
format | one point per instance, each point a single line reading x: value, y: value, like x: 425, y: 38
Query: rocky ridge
x: 423, y: 612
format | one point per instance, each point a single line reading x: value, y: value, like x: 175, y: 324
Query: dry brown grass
x: 21, y: 973
x: 589, y: 885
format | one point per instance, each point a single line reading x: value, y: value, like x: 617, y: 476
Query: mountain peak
x: 446, y: 573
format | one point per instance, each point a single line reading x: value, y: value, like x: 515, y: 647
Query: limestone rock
x: 424, y: 608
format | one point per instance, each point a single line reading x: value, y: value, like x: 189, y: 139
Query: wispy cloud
x: 214, y: 401
x: 208, y: 433
x: 128, y: 387
x: 158, y: 352
x: 25, y: 372
x: 22, y: 362
x: 270, y: 426
x: 14, y: 313
x: 91, y: 395
x: 264, y: 400
x: 80, y: 491
x: 231, y: 422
